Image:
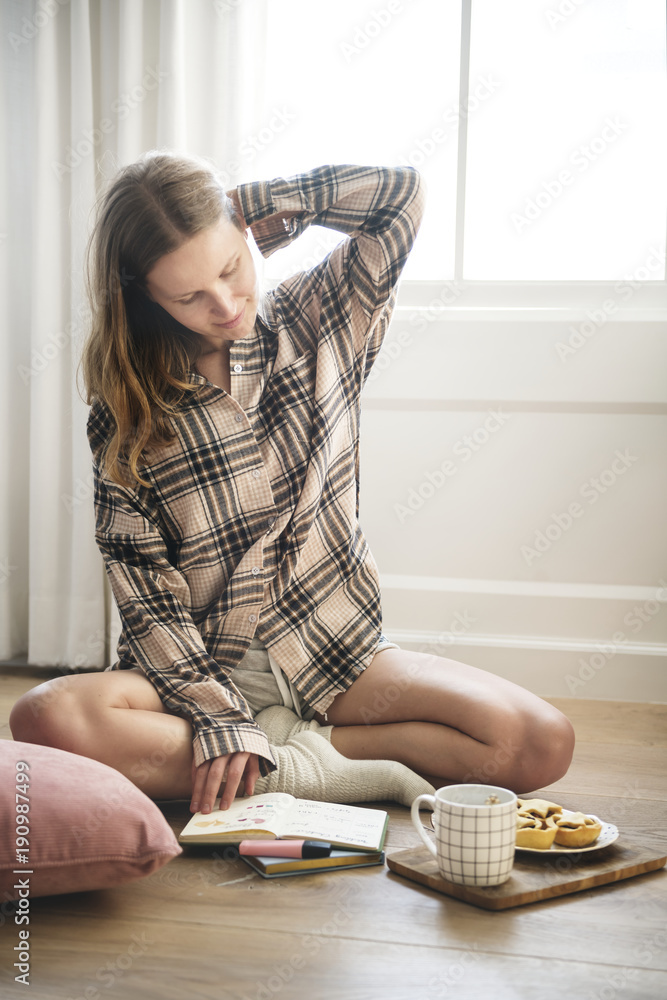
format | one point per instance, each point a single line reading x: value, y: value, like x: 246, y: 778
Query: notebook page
x: 335, y: 822
x: 262, y: 813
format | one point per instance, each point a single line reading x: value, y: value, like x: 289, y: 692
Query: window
x: 567, y: 164
x: 538, y: 125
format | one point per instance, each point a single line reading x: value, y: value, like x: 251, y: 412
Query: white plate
x: 608, y: 835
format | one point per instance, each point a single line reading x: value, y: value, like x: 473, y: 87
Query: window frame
x: 522, y: 300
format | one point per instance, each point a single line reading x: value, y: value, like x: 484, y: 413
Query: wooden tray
x: 534, y: 877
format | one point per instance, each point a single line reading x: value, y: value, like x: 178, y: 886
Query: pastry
x: 577, y: 830
x: 538, y: 807
x: 535, y: 832
x: 541, y: 823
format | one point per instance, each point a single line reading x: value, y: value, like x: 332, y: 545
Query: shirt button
x: 256, y: 473
x: 238, y: 417
x: 255, y: 570
x: 252, y: 618
x: 238, y: 368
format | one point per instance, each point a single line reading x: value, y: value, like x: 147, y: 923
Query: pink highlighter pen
x: 285, y: 848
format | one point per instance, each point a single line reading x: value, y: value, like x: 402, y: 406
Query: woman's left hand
x: 236, y: 201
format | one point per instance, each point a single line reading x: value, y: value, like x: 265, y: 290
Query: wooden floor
x: 211, y: 929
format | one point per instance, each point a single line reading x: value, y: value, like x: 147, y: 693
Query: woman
x: 224, y: 429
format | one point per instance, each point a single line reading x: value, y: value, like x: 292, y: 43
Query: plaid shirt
x: 250, y: 525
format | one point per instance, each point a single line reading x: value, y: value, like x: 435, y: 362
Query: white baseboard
x: 637, y: 672
x: 557, y: 640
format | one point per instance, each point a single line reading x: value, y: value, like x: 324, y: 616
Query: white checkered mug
x: 475, y: 832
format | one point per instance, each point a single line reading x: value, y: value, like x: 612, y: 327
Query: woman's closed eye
x: 224, y: 274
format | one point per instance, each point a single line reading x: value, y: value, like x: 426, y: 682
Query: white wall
x: 586, y: 616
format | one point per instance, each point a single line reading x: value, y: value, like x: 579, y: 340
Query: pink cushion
x: 88, y: 826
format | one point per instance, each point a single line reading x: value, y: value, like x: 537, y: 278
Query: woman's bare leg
x: 451, y: 722
x: 445, y: 720
x: 115, y: 717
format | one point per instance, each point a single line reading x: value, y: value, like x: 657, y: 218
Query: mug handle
x: 414, y: 813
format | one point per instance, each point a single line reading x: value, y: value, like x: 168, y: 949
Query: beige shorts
x: 262, y: 683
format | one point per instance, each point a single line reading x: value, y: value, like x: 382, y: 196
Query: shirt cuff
x: 272, y: 228
x: 220, y: 742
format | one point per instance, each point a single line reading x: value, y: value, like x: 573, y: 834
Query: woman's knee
x: 541, y: 746
x: 50, y: 713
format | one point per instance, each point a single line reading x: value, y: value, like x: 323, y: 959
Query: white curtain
x: 87, y: 86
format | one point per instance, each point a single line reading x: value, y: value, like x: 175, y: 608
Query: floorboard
x: 204, y: 927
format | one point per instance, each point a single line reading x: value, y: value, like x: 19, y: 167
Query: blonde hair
x: 136, y: 357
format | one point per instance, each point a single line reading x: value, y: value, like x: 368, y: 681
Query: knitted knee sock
x: 279, y: 723
x: 311, y: 768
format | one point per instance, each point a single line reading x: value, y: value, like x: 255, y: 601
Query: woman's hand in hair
x: 236, y: 202
x: 271, y: 225
x: 227, y: 772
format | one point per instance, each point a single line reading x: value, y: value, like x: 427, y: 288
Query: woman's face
x: 209, y: 284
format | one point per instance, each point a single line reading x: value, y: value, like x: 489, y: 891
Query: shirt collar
x: 253, y: 353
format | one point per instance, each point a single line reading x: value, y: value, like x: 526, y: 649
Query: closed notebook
x: 277, y: 815
x: 271, y: 867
